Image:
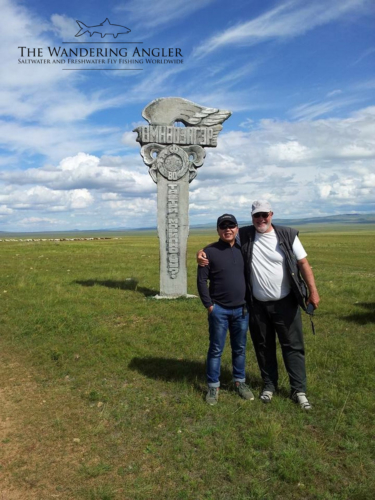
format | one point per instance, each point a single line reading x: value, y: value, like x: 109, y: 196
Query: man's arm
x: 308, y: 276
x: 202, y: 278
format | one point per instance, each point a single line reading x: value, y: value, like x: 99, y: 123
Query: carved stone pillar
x: 173, y: 154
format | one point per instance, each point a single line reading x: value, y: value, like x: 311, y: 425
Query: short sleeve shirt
x: 269, y: 277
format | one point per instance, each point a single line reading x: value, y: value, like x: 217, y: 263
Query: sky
x: 298, y: 77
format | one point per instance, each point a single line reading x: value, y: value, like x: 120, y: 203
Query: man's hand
x: 209, y: 309
x: 313, y: 299
x: 308, y: 276
x: 202, y: 259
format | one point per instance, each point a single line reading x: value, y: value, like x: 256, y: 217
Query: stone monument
x: 173, y: 154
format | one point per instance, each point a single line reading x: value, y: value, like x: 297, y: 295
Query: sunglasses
x: 264, y: 215
x: 228, y: 225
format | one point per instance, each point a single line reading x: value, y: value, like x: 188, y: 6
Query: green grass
x: 103, y: 387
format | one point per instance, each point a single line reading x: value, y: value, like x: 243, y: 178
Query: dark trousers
x: 284, y: 318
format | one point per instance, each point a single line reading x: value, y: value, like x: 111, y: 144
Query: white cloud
x: 366, y: 85
x: 334, y: 92
x: 349, y: 188
x: 77, y: 106
x: 287, y: 20
x: 154, y: 14
x: 308, y: 161
x: 85, y: 171
x: 364, y: 55
x: 30, y: 221
x: 138, y: 207
x: 290, y: 151
x: 322, y: 166
x: 41, y: 197
x: 309, y: 111
x: 47, y: 105
x: 37, y: 100
x: 64, y: 27
x: 20, y: 27
x: 4, y: 210
x: 53, y: 141
x: 129, y: 139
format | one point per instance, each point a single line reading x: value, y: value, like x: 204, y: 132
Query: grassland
x: 102, y: 387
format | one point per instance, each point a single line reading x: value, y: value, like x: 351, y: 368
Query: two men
x: 226, y: 306
x: 274, y: 258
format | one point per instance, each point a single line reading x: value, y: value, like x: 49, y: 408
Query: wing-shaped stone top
x: 168, y: 110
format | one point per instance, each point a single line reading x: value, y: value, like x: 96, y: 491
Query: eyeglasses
x: 264, y: 215
x: 229, y: 225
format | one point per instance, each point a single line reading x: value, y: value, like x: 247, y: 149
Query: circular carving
x: 172, y: 162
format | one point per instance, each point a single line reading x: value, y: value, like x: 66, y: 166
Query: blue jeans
x: 220, y: 320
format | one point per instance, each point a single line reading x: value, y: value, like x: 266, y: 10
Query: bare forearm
x: 308, y: 276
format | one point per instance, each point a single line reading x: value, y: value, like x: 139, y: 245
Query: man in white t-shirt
x: 274, y: 259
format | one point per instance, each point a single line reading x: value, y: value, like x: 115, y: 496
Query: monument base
x: 187, y: 296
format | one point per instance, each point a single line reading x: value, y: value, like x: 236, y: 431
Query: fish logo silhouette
x: 104, y: 28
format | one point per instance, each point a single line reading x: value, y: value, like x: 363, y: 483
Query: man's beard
x: 263, y: 228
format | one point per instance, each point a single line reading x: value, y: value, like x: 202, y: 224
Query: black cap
x: 226, y: 218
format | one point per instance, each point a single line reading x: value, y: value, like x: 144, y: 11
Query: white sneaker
x: 266, y: 396
x: 301, y: 399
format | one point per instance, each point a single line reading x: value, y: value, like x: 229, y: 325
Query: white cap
x: 260, y: 206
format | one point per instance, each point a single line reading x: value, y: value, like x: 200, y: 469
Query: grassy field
x: 102, y: 387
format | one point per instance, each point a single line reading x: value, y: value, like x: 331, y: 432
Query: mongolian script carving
x: 172, y: 230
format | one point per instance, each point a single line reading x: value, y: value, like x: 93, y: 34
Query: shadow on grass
x: 362, y: 318
x: 128, y: 284
x: 172, y: 369
x: 194, y: 372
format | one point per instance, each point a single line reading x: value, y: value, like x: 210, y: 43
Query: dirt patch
x: 37, y: 457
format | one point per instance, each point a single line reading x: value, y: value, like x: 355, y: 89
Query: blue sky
x: 297, y: 76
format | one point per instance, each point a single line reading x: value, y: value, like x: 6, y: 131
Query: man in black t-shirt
x: 226, y: 306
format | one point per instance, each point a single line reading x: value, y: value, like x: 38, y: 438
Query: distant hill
x: 346, y: 219
x: 311, y: 223
x: 337, y: 219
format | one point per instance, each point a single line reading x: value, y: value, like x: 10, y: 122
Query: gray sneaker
x: 244, y: 391
x: 212, y: 395
x: 266, y: 396
x: 301, y: 399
